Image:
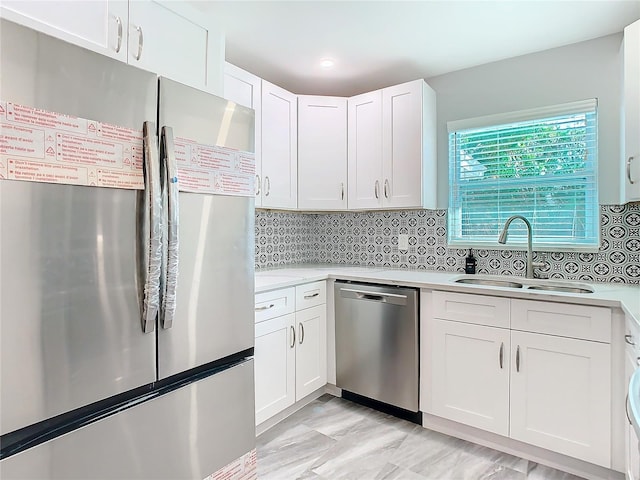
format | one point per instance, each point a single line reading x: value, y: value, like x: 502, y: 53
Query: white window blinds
x: 538, y: 163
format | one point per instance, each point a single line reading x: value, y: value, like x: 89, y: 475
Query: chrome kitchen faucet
x: 503, y: 240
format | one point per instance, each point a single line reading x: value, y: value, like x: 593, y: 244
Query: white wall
x: 591, y: 69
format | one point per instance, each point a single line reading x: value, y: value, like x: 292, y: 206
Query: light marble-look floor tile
x: 291, y: 454
x: 332, y: 438
x: 423, y: 448
x: 394, y: 472
x: 360, y: 455
x: 509, y: 461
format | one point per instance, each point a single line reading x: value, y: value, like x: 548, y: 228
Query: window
x: 540, y: 163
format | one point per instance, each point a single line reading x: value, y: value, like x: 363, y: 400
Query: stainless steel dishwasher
x: 377, y: 342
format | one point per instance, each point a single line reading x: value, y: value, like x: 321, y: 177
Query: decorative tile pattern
x: 282, y: 238
x: 371, y: 239
x: 332, y: 438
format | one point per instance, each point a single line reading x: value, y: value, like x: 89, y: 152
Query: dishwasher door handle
x: 383, y: 297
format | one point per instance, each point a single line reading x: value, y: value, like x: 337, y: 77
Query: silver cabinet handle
x: 140, y: 42
x: 518, y: 358
x: 386, y: 188
x: 501, y: 354
x: 376, y: 187
x: 119, y: 42
x: 267, y: 186
x: 342, y: 191
x: 264, y: 307
x: 257, y: 184
x: 638, y: 361
x: 626, y: 408
x: 313, y: 295
x: 170, y: 189
x: 301, y: 333
x: 293, y: 337
x: 627, y: 338
x: 151, y: 235
x: 629, y: 160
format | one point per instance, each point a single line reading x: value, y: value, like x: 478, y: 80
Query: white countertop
x: 624, y: 296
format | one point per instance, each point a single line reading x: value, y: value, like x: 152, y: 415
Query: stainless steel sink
x: 529, y: 284
x: 489, y: 282
x: 562, y: 288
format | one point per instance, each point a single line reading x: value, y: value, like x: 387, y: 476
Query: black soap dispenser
x: 470, y: 263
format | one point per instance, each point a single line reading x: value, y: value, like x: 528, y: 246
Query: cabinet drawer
x: 273, y: 304
x: 311, y: 294
x: 478, y: 309
x: 566, y: 320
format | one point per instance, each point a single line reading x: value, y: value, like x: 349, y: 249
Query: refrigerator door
x: 214, y: 296
x: 70, y: 313
x: 188, y: 433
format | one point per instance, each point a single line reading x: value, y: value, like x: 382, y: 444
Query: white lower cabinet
x: 275, y: 366
x: 471, y: 375
x: 561, y: 395
x: 311, y: 350
x: 540, y: 388
x: 631, y: 362
x: 290, y: 348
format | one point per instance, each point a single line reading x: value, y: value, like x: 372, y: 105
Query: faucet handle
x: 537, y: 273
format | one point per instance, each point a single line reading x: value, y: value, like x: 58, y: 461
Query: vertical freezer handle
x: 151, y: 243
x: 170, y: 192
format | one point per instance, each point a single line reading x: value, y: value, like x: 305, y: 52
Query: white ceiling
x: 381, y: 43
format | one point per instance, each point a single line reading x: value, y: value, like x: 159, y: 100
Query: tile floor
x: 332, y: 438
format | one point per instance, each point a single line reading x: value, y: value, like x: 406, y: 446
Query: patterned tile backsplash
x: 371, y: 239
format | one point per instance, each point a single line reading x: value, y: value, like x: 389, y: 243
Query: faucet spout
x: 505, y: 233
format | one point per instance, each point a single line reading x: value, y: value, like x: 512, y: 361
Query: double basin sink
x: 529, y: 284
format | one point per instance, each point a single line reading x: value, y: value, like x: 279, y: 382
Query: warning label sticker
x: 213, y: 169
x: 243, y: 468
x: 41, y: 146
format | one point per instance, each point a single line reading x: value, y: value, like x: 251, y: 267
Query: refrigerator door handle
x: 170, y: 183
x: 152, y: 244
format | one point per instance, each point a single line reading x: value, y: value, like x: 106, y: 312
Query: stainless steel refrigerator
x: 126, y: 270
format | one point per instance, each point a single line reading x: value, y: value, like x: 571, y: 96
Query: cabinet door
x: 245, y: 89
x: 275, y: 369
x: 99, y: 25
x: 166, y: 42
x: 561, y: 395
x: 402, y: 145
x: 631, y: 157
x: 632, y: 446
x: 322, y: 153
x: 471, y: 375
x: 365, y: 150
x: 311, y: 351
x: 279, y: 147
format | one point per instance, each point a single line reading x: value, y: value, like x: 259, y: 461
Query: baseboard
x: 520, y: 449
x: 333, y: 390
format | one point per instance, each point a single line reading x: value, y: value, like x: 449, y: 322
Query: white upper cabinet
x: 322, y: 153
x: 168, y: 38
x: 279, y: 147
x: 245, y: 89
x: 98, y: 25
x: 409, y: 145
x: 392, y: 148
x: 631, y: 146
x: 365, y: 150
